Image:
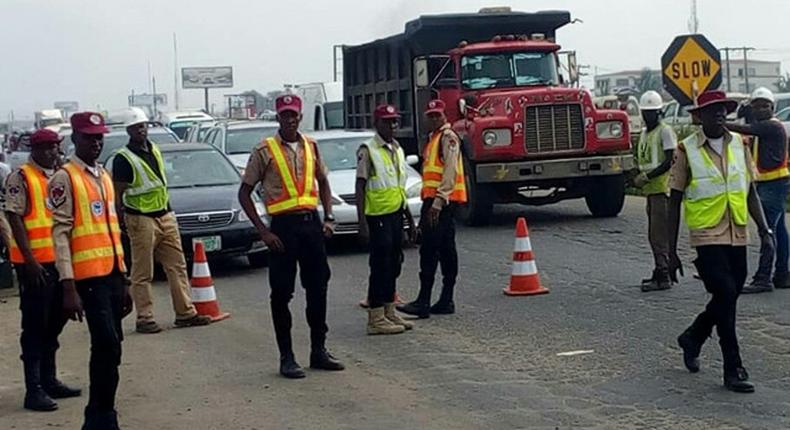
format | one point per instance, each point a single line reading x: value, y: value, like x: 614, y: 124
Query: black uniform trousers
x: 723, y: 271
x: 102, y: 300
x: 303, y: 238
x: 386, y: 257
x: 43, y: 320
x: 437, y: 248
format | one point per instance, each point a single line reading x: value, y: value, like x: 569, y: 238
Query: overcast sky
x: 97, y: 52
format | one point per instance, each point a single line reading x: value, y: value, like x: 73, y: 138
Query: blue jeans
x: 773, y: 197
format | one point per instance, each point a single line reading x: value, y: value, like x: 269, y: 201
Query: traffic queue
x: 69, y: 225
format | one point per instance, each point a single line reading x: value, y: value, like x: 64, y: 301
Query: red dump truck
x: 528, y: 136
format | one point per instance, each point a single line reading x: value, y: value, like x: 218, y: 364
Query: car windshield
x: 180, y: 128
x: 198, y: 168
x: 508, y: 70
x: 160, y: 136
x: 242, y: 140
x: 784, y: 115
x: 341, y: 153
x: 117, y: 140
x: 334, y: 114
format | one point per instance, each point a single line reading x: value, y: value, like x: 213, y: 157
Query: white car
x: 236, y: 139
x: 784, y: 116
x: 338, y: 149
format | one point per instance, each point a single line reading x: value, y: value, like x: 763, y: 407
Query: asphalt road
x: 492, y: 365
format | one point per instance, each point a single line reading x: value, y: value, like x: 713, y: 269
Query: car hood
x: 344, y: 181
x: 203, y: 199
x: 239, y: 160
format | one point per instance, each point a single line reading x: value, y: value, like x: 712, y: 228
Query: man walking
x: 653, y: 159
x: 711, y: 177
x: 443, y: 187
x: 292, y: 177
x: 381, y: 209
x: 144, y: 209
x: 769, y: 151
x: 89, y: 260
x: 33, y: 255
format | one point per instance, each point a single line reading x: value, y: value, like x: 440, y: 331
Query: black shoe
x: 757, y: 287
x: 101, y: 421
x: 691, y: 351
x: 290, y: 368
x: 325, y: 361
x: 420, y: 310
x: 782, y: 280
x: 656, y: 285
x: 59, y: 390
x: 38, y: 400
x: 738, y: 381
x: 446, y: 308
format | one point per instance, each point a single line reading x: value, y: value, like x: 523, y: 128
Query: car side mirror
x: 412, y: 160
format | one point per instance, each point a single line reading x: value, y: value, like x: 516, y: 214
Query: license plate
x: 210, y: 243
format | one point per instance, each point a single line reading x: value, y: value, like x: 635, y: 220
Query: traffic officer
x: 33, y: 255
x: 139, y: 176
x: 443, y: 187
x: 293, y: 177
x: 769, y: 151
x: 711, y: 177
x: 89, y: 259
x: 381, y: 210
x: 654, y: 151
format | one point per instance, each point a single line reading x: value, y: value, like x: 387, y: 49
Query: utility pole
x: 175, y: 71
x: 727, y: 63
x: 693, y: 20
x: 153, y: 82
x: 149, y: 76
x: 746, y: 67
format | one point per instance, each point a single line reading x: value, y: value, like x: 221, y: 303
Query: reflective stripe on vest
x: 147, y: 193
x: 95, y: 236
x: 650, y: 155
x: 433, y: 170
x: 709, y: 194
x: 38, y: 220
x: 297, y: 195
x: 780, y: 171
x: 385, y: 190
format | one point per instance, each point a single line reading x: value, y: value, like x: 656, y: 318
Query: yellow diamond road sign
x: 690, y: 66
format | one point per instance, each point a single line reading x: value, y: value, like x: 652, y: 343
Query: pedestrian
x: 654, y: 151
x: 292, y: 177
x: 382, y: 209
x: 712, y: 179
x: 443, y: 188
x: 144, y: 212
x: 33, y: 255
x: 89, y: 260
x: 769, y: 151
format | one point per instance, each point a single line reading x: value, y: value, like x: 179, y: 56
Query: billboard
x: 141, y: 100
x: 207, y: 77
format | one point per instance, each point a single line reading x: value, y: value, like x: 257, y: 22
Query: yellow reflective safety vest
x: 297, y: 194
x: 709, y: 194
x: 650, y: 155
x: 147, y: 192
x: 38, y: 220
x: 385, y: 190
x: 781, y: 171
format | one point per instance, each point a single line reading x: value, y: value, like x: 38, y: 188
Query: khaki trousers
x: 658, y: 230
x: 158, y: 239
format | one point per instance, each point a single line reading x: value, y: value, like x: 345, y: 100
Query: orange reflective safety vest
x: 38, y: 220
x: 297, y: 195
x: 433, y: 169
x: 95, y: 237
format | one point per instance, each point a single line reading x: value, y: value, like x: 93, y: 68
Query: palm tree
x: 783, y: 84
x: 648, y: 80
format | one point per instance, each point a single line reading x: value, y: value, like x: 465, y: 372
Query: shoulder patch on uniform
x: 57, y: 194
x: 13, y: 190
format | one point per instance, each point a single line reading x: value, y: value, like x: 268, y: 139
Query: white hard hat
x: 763, y: 93
x: 134, y: 116
x: 651, y: 100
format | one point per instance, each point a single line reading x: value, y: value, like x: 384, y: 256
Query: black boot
x: 416, y: 308
x: 323, y: 360
x: 691, y: 349
x: 100, y: 421
x: 290, y: 368
x: 36, y: 399
x: 660, y: 281
x: 443, y: 308
x: 738, y: 381
x: 50, y: 383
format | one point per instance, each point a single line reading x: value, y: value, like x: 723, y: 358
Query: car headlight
x: 258, y: 208
x: 497, y: 137
x: 609, y: 129
x: 414, y: 191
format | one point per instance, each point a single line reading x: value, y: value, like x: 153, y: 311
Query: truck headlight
x: 497, y: 137
x: 609, y: 129
x: 258, y: 208
x: 414, y: 191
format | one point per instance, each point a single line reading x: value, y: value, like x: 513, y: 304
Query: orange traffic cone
x: 524, y: 279
x: 203, y: 295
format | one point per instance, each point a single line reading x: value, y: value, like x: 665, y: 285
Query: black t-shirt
x: 771, y: 145
x: 122, y: 172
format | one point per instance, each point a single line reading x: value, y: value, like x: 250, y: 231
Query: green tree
x: 648, y: 80
x: 783, y: 84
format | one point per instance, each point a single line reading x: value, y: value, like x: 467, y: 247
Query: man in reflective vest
x: 33, y: 255
x: 712, y: 179
x: 769, y: 150
x: 381, y: 210
x: 293, y: 177
x: 653, y: 159
x: 144, y: 211
x: 443, y: 187
x: 89, y: 259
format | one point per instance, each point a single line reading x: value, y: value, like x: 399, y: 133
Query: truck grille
x: 553, y: 128
x: 350, y: 199
x: 202, y: 221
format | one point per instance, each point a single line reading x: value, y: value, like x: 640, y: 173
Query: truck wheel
x: 606, y: 196
x: 480, y: 203
x: 258, y: 259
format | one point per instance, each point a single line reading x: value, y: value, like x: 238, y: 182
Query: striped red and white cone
x: 524, y: 279
x: 204, y: 297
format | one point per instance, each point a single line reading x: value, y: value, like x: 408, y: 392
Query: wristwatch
x: 329, y: 217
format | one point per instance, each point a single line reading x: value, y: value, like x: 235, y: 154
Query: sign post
x: 690, y: 66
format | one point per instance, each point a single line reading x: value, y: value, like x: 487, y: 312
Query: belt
x: 297, y: 216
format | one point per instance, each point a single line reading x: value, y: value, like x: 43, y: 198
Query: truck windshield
x: 508, y: 70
